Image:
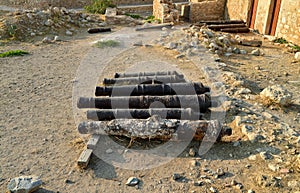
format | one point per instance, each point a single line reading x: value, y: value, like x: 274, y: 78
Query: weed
x: 99, y: 6
x: 12, y: 30
x: 296, y: 47
x: 281, y: 41
x: 151, y: 19
x: 107, y: 43
x: 134, y: 16
x: 13, y: 53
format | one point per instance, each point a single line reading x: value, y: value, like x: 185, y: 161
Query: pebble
x: 109, y: 151
x: 251, y: 191
x: 236, y: 50
x: 57, y: 38
x: 256, y: 52
x: 176, y: 176
x: 239, y: 186
x: 132, y: 181
x: 265, y: 155
x: 46, y: 40
x: 243, y: 51
x: 192, y: 152
x: 214, y: 190
x: 220, y: 172
x: 199, y: 183
x: 69, y: 33
x: 273, y: 167
x: 24, y: 184
x: 236, y: 144
x: 297, y: 56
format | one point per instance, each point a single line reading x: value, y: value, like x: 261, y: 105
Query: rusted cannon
x: 174, y: 113
x: 145, y: 80
x: 201, y: 102
x: 157, y: 128
x: 153, y: 89
x: 165, y: 73
x: 98, y: 30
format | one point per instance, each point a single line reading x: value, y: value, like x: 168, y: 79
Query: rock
x: 48, y: 23
x: 139, y: 43
x: 194, y: 163
x: 199, y: 183
x: 220, y: 172
x: 24, y: 184
x: 176, y: 176
x: 69, y: 33
x: 111, y: 12
x: 56, y: 10
x: 251, y: 191
x: 297, y: 56
x: 32, y: 34
x: 109, y: 151
x: 179, y: 56
x: 265, y: 155
x: 239, y: 186
x: 236, y: 50
x: 228, y: 54
x: 192, y: 152
x: 209, y: 34
x: 278, y: 94
x: 233, y: 182
x: 243, y: 51
x: 256, y: 52
x: 132, y: 181
x: 46, y: 40
x: 172, y: 45
x: 252, y: 157
x: 57, y: 38
x: 267, y: 115
x: 273, y: 167
x: 236, y: 144
x: 214, y: 190
x: 244, y: 91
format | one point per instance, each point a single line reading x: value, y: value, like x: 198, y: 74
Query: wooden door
x: 253, y: 14
x: 275, y: 15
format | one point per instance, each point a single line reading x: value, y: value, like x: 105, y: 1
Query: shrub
x: 13, y: 53
x: 99, y: 6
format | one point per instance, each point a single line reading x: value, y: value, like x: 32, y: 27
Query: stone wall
x: 207, y: 10
x: 238, y: 10
x: 165, y: 10
x: 138, y: 2
x: 263, y: 17
x: 288, y: 25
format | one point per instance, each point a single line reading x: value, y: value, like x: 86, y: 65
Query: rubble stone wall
x: 207, y: 10
x: 288, y: 25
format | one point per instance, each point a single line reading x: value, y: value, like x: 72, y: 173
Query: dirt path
x: 38, y: 133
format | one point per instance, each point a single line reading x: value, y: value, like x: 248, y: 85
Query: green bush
x: 99, y: 6
x: 13, y: 53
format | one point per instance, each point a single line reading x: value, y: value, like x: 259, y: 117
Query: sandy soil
x: 38, y: 134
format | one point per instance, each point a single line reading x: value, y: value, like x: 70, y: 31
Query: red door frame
x: 253, y: 14
x: 275, y: 17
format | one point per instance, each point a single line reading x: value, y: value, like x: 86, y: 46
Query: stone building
x: 280, y: 18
